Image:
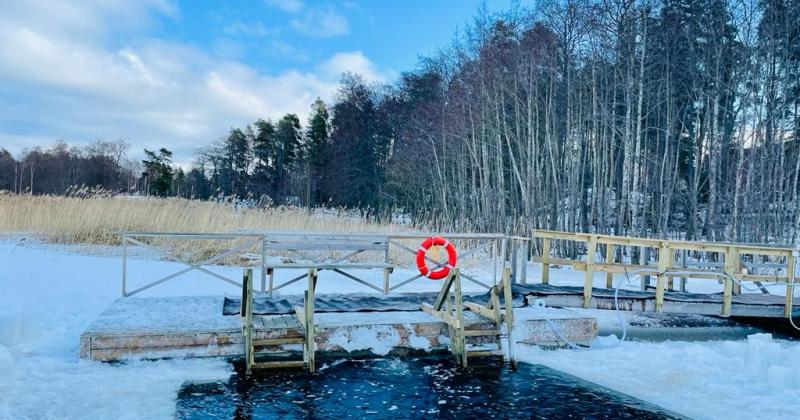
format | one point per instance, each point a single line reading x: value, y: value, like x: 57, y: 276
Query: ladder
x: 304, y: 314
x: 449, y: 307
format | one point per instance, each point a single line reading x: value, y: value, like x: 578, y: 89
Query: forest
x: 672, y: 118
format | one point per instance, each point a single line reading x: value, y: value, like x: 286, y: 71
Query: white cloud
x: 58, y: 82
x: 321, y: 23
x: 353, y: 62
x: 292, y: 6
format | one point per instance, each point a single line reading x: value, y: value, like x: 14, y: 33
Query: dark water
x: 409, y: 389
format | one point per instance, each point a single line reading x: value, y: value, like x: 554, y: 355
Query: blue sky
x: 160, y: 73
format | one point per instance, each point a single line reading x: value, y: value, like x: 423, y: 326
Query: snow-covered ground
x: 49, y: 294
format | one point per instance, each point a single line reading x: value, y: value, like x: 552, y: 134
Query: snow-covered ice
x: 704, y: 380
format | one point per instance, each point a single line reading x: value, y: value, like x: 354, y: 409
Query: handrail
x: 666, y: 267
x: 506, y: 248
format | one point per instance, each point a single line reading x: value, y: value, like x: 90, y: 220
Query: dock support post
x: 509, y: 316
x: 790, y: 267
x: 386, y: 271
x: 270, y: 272
x: 310, y: 344
x: 671, y: 279
x: 661, y: 280
x: 545, y: 264
x: 459, y: 329
x: 644, y: 260
x: 609, y: 260
x: 588, y: 278
x: 247, y: 306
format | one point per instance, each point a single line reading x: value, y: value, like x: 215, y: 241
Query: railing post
x: 644, y: 260
x: 514, y: 260
x: 386, y: 270
x: 525, y: 255
x: 671, y: 279
x: 727, y: 289
x: 609, y: 260
x: 263, y: 264
x: 790, y: 267
x: 588, y: 279
x: 124, y: 265
x: 661, y: 280
x: 545, y: 257
x: 683, y: 266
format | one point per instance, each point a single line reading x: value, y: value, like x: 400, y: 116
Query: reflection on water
x: 414, y: 388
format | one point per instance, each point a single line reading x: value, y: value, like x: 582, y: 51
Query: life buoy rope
x: 441, y: 272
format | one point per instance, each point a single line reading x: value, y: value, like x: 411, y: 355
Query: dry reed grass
x: 99, y: 219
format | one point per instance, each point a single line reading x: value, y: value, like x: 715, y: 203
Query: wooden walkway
x: 743, y: 305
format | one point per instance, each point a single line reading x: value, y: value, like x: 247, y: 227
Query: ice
x: 780, y: 377
x: 703, y: 380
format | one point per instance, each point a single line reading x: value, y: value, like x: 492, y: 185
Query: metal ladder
x: 305, y: 316
x: 449, y: 307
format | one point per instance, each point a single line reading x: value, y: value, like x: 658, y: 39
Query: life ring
x: 442, y: 272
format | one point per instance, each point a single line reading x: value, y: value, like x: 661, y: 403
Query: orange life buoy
x: 442, y: 272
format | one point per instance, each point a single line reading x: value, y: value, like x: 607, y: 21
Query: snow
x: 703, y: 380
x: 48, y: 298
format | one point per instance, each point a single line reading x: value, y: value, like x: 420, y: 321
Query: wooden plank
x: 444, y: 292
x: 480, y: 309
x: 278, y: 364
x: 508, y: 317
x: 588, y: 275
x: 278, y: 341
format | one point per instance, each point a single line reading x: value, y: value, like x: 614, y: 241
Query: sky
x: 180, y: 74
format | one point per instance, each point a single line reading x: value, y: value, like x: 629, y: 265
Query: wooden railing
x: 660, y: 258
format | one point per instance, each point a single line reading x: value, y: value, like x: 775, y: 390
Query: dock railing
x: 382, y: 251
x: 667, y: 260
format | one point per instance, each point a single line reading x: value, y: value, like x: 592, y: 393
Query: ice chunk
x: 759, y: 337
x: 780, y: 377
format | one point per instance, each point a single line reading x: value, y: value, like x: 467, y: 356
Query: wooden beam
x: 444, y: 292
x: 481, y: 310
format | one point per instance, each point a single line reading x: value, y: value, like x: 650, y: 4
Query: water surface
x: 410, y: 388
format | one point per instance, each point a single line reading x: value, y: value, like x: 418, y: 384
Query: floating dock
x: 743, y: 305
x: 152, y: 328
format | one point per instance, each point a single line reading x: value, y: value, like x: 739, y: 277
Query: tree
x: 159, y: 172
x: 317, y: 139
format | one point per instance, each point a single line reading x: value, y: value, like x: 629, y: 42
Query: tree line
x: 663, y: 118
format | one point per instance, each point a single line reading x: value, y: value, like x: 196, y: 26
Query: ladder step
x: 485, y: 353
x: 278, y: 341
x: 478, y: 333
x: 279, y: 364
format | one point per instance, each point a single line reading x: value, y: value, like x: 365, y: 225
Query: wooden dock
x: 742, y: 305
x: 153, y: 328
